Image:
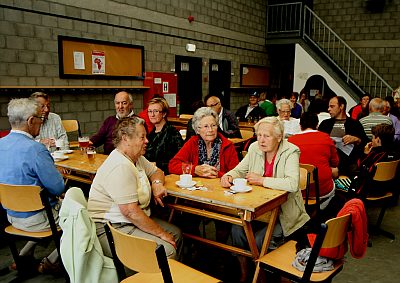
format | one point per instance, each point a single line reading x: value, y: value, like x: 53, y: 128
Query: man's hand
x: 349, y: 139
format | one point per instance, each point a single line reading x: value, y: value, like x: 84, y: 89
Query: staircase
x: 295, y: 20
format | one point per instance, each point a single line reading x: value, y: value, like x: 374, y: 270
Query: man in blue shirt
x: 27, y: 162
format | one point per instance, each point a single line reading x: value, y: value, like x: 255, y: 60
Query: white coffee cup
x: 239, y: 184
x: 58, y: 154
x: 59, y: 143
x: 185, y: 179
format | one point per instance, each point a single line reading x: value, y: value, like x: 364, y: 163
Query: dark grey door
x: 220, y: 80
x: 189, y: 82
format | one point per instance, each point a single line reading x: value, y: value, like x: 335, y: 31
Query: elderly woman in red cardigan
x: 211, y: 154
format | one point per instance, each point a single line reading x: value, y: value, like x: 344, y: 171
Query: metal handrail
x: 315, y: 31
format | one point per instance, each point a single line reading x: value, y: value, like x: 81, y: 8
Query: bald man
x: 227, y: 120
x: 123, y: 102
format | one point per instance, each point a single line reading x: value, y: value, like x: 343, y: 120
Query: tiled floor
x: 380, y: 265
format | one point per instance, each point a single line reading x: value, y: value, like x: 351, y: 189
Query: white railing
x: 284, y: 19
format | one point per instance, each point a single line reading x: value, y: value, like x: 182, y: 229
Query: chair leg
x: 377, y: 228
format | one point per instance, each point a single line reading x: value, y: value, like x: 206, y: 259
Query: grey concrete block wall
x: 375, y: 36
x: 226, y: 30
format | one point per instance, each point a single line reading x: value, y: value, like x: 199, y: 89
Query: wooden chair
x: 310, y: 177
x: 332, y: 234
x: 149, y: 260
x: 27, y: 198
x: 72, y: 126
x: 246, y: 134
x: 385, y: 173
x: 185, y: 116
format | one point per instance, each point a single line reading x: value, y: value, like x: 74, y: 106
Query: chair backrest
x: 304, y: 181
x: 71, y: 126
x: 332, y: 234
x: 148, y: 256
x: 185, y: 116
x: 385, y: 171
x: 21, y: 198
x: 246, y: 134
x: 313, y: 182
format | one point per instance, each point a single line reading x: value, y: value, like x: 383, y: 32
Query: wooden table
x: 178, y: 123
x: 78, y: 168
x: 238, y: 209
x: 247, y: 126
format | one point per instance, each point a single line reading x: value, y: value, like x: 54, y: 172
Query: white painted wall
x: 305, y: 67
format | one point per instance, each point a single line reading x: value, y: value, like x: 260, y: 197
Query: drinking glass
x: 91, y: 154
x: 83, y: 143
x: 186, y: 167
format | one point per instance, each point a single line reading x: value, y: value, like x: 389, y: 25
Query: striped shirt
x: 373, y: 119
x: 53, y: 128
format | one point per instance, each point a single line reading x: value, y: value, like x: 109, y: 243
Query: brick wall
x: 226, y: 30
x: 374, y: 36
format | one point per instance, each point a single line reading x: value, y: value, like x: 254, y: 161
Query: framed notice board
x: 89, y: 58
x: 254, y: 76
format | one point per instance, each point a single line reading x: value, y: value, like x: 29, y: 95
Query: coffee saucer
x: 67, y: 151
x: 241, y: 190
x: 59, y: 158
x: 185, y: 185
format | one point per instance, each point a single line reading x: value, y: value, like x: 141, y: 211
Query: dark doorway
x: 220, y: 80
x: 189, y: 82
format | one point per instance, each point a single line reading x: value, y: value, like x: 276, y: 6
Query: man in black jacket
x: 348, y: 133
x: 251, y: 111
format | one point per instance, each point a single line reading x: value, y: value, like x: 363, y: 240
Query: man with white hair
x: 26, y: 162
x: 123, y: 102
x: 375, y: 117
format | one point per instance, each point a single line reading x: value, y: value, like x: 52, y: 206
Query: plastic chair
x: 72, y: 126
x: 246, y: 134
x: 25, y: 199
x: 385, y: 172
x: 331, y: 234
x: 149, y: 260
x: 311, y: 181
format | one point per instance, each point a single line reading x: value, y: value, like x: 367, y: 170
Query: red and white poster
x: 98, y: 62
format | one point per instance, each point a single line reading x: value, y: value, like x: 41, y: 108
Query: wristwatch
x: 157, y: 182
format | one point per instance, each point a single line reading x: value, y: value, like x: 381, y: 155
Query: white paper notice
x: 79, y: 60
x: 347, y: 149
x: 98, y: 62
x: 171, y: 99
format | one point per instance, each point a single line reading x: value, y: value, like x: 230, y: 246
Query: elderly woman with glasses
x: 274, y: 163
x: 164, y: 139
x: 291, y: 125
x: 124, y: 187
x: 210, y: 153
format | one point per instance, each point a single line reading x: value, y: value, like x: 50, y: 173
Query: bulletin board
x: 254, y: 76
x: 89, y: 58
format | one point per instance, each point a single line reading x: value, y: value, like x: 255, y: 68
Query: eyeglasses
x: 213, y: 105
x: 208, y: 127
x: 155, y: 111
x: 284, y: 111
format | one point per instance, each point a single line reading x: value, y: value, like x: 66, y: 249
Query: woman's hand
x: 255, y: 179
x: 206, y: 171
x: 168, y: 238
x: 159, y: 192
x: 226, y: 181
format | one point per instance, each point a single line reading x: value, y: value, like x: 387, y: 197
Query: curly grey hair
x: 279, y: 130
x: 125, y: 126
x: 282, y: 102
x: 200, y: 114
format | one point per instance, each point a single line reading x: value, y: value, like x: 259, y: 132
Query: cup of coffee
x: 58, y: 154
x: 240, y: 184
x: 185, y: 179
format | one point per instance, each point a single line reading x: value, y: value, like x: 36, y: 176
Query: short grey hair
x: 125, y: 126
x: 20, y: 109
x: 376, y: 105
x: 200, y: 114
x: 281, y: 102
x: 279, y: 130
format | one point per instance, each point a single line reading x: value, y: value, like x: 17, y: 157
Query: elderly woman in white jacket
x: 271, y: 162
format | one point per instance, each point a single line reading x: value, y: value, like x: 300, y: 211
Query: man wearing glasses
x: 123, y: 102
x: 226, y: 120
x: 52, y: 128
x: 26, y: 162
